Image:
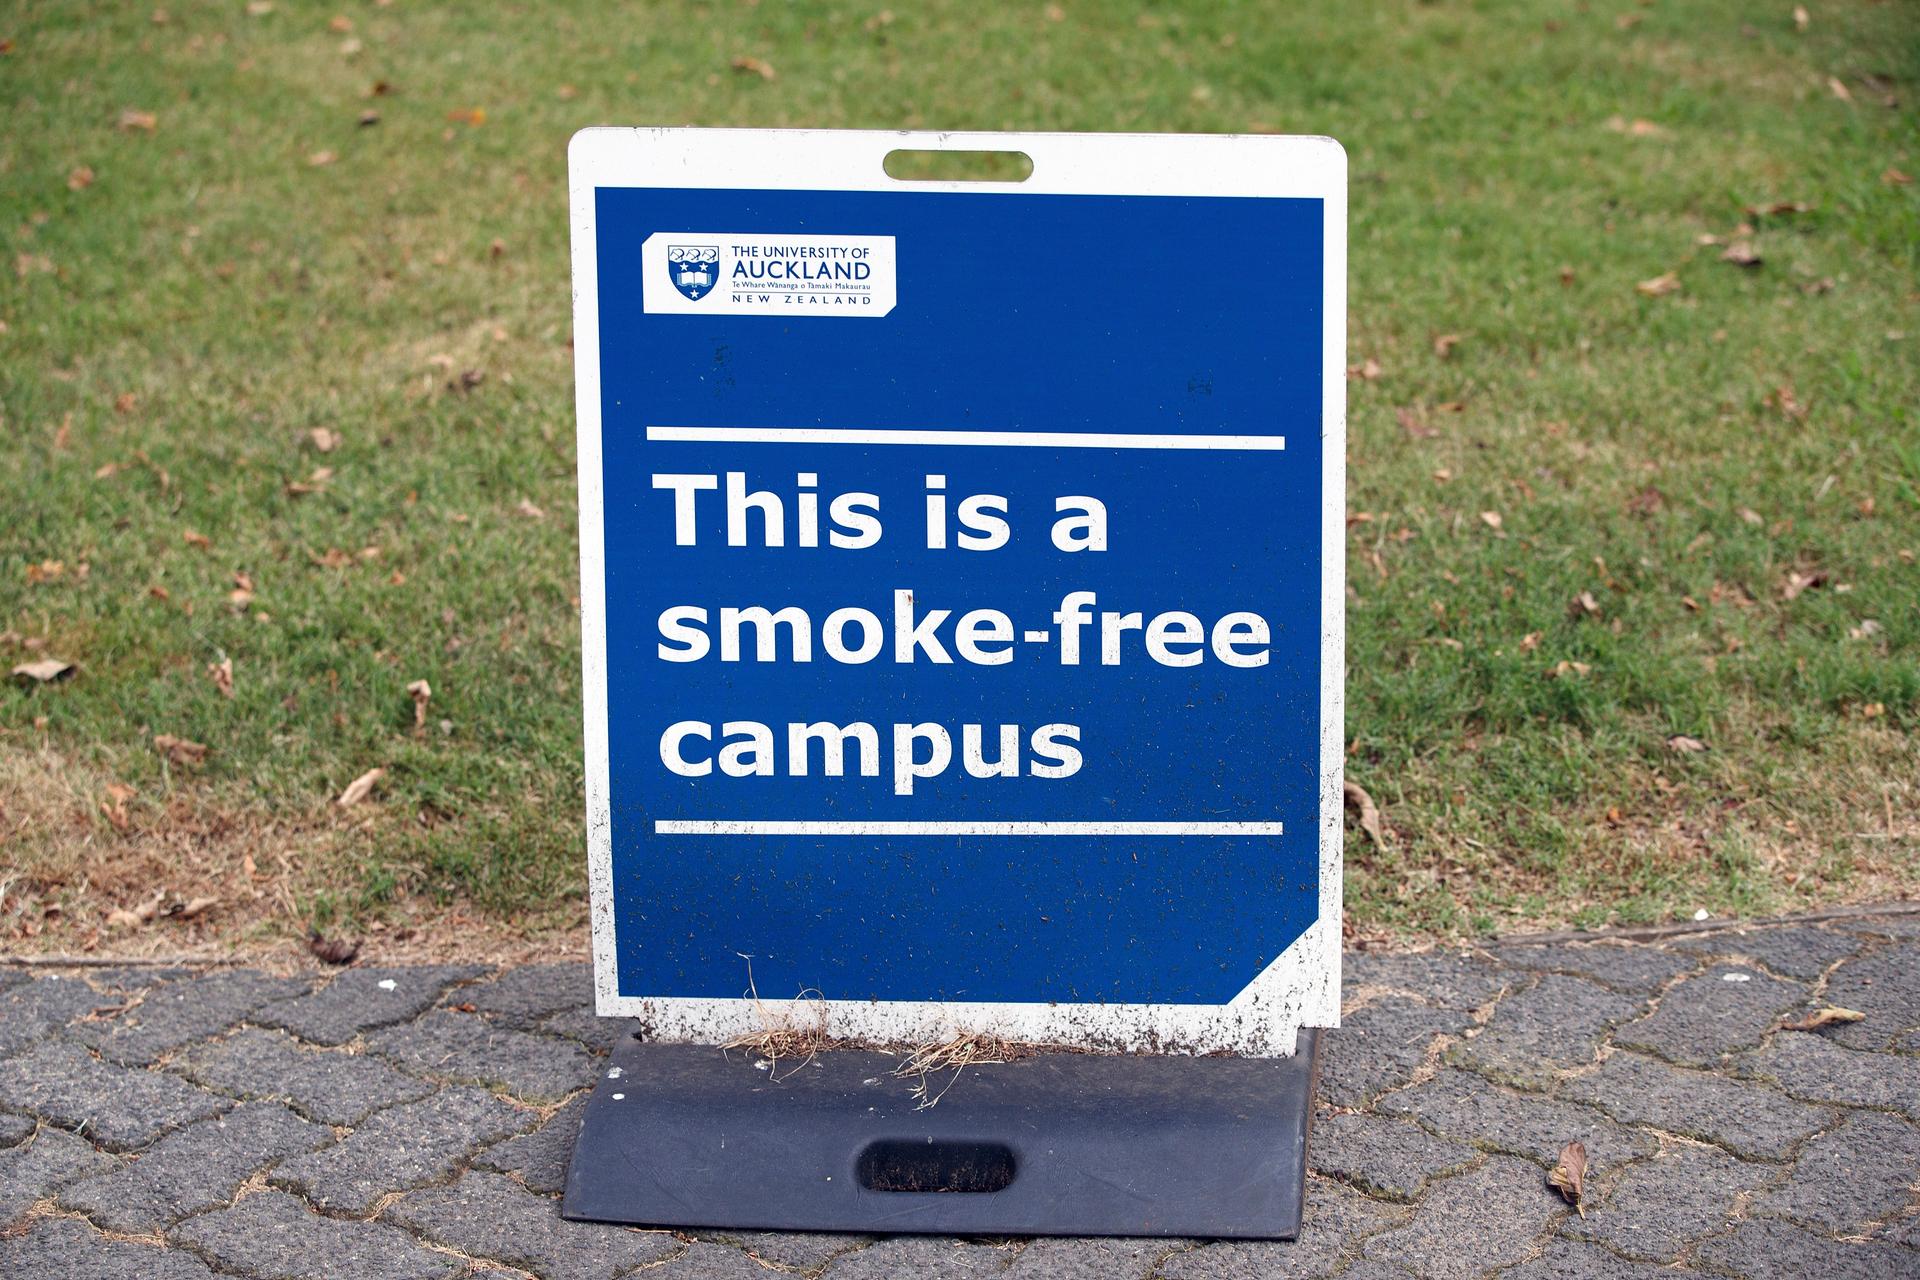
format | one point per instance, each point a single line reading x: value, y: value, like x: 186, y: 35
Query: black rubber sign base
x: 1057, y: 1144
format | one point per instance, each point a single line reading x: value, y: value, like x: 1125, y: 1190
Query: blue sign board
x: 961, y: 585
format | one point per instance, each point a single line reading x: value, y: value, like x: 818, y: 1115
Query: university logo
x: 694, y: 269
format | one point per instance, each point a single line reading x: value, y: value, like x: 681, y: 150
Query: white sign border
x: 1299, y: 988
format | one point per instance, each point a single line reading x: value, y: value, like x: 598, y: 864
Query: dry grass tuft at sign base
x: 956, y: 1054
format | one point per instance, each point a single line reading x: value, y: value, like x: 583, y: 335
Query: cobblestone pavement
x: 416, y: 1122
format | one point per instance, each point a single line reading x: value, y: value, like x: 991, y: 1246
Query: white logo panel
x: 713, y: 273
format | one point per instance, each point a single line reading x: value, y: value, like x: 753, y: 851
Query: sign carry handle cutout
x: 962, y: 619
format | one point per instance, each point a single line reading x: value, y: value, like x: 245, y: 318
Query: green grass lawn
x: 231, y: 230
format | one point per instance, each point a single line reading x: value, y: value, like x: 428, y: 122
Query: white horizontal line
x: 904, y: 435
x: 756, y: 827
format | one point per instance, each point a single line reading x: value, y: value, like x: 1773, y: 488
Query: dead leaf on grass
x: 312, y: 484
x: 45, y: 671
x: 1569, y: 1176
x: 325, y: 439
x: 1635, y: 128
x: 1778, y: 208
x: 1801, y: 18
x: 1825, y: 1016
x: 320, y: 159
x: 1444, y: 344
x: 332, y: 950
x: 1583, y: 606
x: 331, y: 558
x: 1797, y: 582
x: 79, y: 178
x: 221, y: 673
x: 1491, y: 519
x: 1365, y: 812
x: 114, y: 807
x: 1366, y: 371
x: 133, y: 120
x: 199, y: 540
x: 526, y: 508
x: 1411, y: 423
x: 360, y: 788
x: 179, y: 750
x: 1741, y: 253
x: 1894, y: 177
x: 421, y: 692
x: 1647, y: 502
x: 1660, y: 286
x: 1684, y: 744
x: 1838, y: 88
x: 1787, y: 401
x: 752, y: 66
x: 1565, y: 670
x: 192, y: 909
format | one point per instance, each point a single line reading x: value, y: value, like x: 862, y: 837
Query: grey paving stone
x: 15, y: 1129
x: 177, y: 1013
x: 321, y: 1084
x: 359, y: 1000
x: 524, y: 996
x: 1488, y: 1217
x: 802, y: 1250
x: 1391, y: 1158
x: 1704, y: 1018
x: 401, y: 1147
x: 922, y: 1257
x: 1380, y: 1047
x: 1771, y: 1250
x: 62, y: 1249
x: 1554, y: 1025
x: 486, y: 1215
x: 1629, y: 967
x: 1658, y: 1208
x: 1376, y: 1269
x: 1069, y: 1259
x: 1861, y: 1172
x: 1337, y: 1221
x: 705, y: 1260
x: 31, y: 1011
x: 131, y: 979
x: 11, y: 976
x: 540, y: 1157
x: 1882, y: 986
x: 1894, y: 925
x: 1462, y: 1105
x: 1902, y: 1231
x: 1813, y: 1067
x: 1457, y: 980
x: 466, y: 1047
x: 596, y: 1033
x: 118, y: 1107
x: 1749, y: 1120
x: 1793, y: 951
x: 194, y: 1170
x: 35, y: 1170
x: 272, y: 1236
x: 1578, y: 1260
